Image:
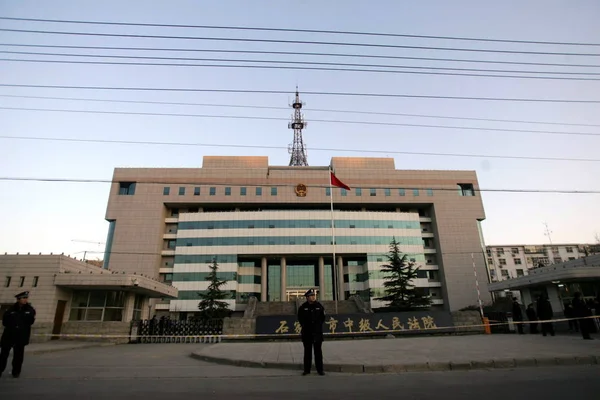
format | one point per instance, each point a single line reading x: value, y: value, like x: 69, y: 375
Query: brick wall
x: 97, y: 328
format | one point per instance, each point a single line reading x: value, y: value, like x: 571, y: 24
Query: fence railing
x: 173, y: 331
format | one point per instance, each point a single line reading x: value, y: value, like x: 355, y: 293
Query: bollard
x: 486, y: 325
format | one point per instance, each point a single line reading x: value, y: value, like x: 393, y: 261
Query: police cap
x: 22, y: 295
x: 310, y: 292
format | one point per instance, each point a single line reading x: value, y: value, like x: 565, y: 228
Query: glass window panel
x: 80, y: 299
x: 182, y: 191
x: 115, y: 299
x: 113, y: 314
x: 97, y: 299
x: 94, y: 314
x: 166, y: 190
x: 77, y: 314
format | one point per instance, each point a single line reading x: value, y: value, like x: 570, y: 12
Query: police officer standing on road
x: 17, y: 322
x: 311, y: 316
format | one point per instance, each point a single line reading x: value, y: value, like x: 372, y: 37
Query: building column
x: 340, y: 280
x: 128, y: 308
x: 554, y: 298
x: 263, y: 279
x: 526, y: 297
x: 321, y: 278
x: 146, y: 308
x: 283, y: 279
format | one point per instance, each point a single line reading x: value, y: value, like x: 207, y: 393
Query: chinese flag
x: 336, y: 182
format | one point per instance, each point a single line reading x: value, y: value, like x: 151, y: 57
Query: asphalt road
x: 152, y: 372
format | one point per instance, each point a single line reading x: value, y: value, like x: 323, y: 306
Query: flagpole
x: 335, y: 275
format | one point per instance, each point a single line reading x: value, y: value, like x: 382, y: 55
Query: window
x: 504, y: 272
x: 273, y: 191
x: 429, y: 192
x: 557, y: 260
x: 571, y: 258
x: 490, y: 260
x: 344, y: 192
x: 489, y: 252
x: 415, y: 192
x: 500, y: 252
x: 358, y: 191
x: 569, y: 249
x: 97, y: 306
x: 227, y: 191
x: 514, y: 250
x: 427, y: 243
x: 35, y: 281
x: 517, y: 261
x: 212, y: 191
x: 7, y: 281
x: 520, y: 272
x: 175, y: 212
x: 259, y: 191
x: 21, y: 281
x: 166, y: 191
x: 502, y: 261
x: 466, y: 189
x: 242, y: 191
x: 171, y: 244
x: 402, y: 192
x: 126, y: 188
x: 327, y: 191
x: 387, y: 192
x: 182, y: 191
x: 373, y: 192
x: 197, y: 191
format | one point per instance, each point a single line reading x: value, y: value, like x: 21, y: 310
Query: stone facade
x: 468, y: 322
x: 113, y: 332
x: 239, y: 326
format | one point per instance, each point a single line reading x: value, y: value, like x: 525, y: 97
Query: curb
x: 59, y: 349
x: 421, y: 367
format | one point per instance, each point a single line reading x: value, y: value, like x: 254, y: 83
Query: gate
x: 171, y: 331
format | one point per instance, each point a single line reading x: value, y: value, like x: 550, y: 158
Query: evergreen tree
x: 400, y: 273
x: 211, y: 304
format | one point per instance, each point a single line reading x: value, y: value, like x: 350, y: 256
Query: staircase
x: 276, y: 308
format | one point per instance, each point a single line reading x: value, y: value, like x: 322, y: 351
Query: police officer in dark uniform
x: 311, y: 316
x: 17, y: 322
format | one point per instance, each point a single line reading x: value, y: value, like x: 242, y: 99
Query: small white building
x: 74, y: 297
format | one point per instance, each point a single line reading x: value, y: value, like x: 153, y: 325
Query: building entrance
x: 293, y: 294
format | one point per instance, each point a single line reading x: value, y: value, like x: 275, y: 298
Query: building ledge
x: 114, y: 281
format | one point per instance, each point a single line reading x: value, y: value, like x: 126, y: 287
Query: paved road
x: 153, y: 372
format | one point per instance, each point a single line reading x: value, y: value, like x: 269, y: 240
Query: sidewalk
x: 61, y: 345
x: 431, y: 353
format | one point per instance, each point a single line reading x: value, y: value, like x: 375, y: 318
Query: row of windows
x: 232, y: 259
x: 128, y: 189
x: 294, y: 240
x: 326, y: 223
x: 8, y: 281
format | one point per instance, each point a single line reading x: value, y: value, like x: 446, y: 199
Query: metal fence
x: 165, y: 330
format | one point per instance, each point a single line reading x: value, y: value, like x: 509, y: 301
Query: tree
x: 400, y: 273
x: 211, y: 304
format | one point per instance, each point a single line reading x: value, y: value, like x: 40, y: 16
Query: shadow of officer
x: 311, y: 316
x: 17, y: 322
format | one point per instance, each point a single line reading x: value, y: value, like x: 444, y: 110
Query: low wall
x: 464, y: 321
x: 97, y: 328
x: 239, y: 326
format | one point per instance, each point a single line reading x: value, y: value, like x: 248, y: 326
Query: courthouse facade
x: 269, y: 229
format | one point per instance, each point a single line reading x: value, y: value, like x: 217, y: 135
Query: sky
x: 54, y: 216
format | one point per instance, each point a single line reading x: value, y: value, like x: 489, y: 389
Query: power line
x: 286, y: 41
x: 320, y: 63
x: 251, y: 117
x: 337, y: 32
x: 310, y: 93
x: 324, y: 185
x: 303, y: 53
x: 109, y: 141
x: 287, y: 108
x: 295, y: 67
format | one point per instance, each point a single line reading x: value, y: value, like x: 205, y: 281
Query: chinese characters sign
x: 340, y: 324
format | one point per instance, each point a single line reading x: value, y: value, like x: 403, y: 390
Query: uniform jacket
x: 17, y: 322
x: 544, y: 309
x: 517, y: 312
x: 311, y: 317
x: 580, y: 309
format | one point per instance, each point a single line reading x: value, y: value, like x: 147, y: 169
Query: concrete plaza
x: 414, y: 354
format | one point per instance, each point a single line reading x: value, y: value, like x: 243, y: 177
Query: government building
x: 270, y: 230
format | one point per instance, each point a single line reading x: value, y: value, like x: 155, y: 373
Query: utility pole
x: 548, y: 232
